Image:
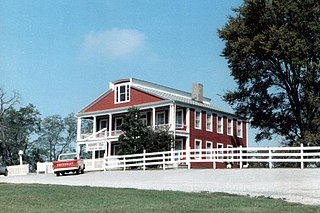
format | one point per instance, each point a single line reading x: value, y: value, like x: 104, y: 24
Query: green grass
x: 52, y: 198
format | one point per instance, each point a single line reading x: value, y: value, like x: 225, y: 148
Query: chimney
x: 197, y: 92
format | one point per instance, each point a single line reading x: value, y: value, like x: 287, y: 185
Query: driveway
x: 294, y: 185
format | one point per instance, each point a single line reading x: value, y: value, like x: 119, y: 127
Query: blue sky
x: 60, y: 55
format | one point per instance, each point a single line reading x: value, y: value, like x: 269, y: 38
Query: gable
x: 107, y: 101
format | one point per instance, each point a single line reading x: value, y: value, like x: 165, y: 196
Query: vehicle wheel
x: 82, y: 171
x: 6, y: 173
x: 57, y: 174
x: 78, y: 171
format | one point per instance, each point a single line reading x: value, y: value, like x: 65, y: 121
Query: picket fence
x: 242, y: 157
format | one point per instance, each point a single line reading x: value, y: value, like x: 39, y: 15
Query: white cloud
x: 115, y: 43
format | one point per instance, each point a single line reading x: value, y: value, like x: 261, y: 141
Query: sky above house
x: 61, y: 55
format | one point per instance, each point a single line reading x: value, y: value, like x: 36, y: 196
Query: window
x: 122, y: 93
x: 230, y: 127
x: 209, y: 122
x: 220, y: 124
x: 229, y: 147
x: 179, y: 118
x: 220, y: 152
x: 143, y: 118
x: 197, y: 123
x: 103, y: 124
x: 118, y: 123
x: 197, y: 145
x: 160, y: 118
x: 209, y: 147
x: 239, y: 129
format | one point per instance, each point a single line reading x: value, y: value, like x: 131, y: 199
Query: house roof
x: 165, y: 93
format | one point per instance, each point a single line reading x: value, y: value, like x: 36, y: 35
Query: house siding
x: 136, y: 97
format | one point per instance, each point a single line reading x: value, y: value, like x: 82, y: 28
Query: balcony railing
x: 101, y: 134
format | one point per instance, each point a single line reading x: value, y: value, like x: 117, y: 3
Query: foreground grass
x: 51, y: 198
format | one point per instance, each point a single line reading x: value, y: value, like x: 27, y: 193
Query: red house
x: 192, y: 119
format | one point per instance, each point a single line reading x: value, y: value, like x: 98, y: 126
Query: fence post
x: 213, y: 153
x: 301, y: 153
x: 124, y: 163
x: 188, y: 157
x: 270, y: 157
x: 144, y: 160
x: 163, y: 161
x: 240, y: 157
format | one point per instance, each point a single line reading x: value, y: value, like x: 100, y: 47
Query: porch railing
x: 242, y: 157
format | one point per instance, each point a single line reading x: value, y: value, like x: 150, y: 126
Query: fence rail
x: 18, y: 170
x: 242, y: 157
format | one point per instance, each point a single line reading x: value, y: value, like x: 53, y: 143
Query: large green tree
x: 137, y: 136
x: 273, y: 50
x: 17, y: 125
x: 57, y: 135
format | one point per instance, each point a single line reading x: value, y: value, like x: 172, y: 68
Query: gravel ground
x: 294, y: 185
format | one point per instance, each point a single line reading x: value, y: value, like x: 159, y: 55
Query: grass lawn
x: 52, y: 198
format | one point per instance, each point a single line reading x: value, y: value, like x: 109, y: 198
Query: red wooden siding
x: 136, y: 97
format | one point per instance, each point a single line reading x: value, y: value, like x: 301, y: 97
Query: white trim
x: 115, y: 122
x: 230, y: 127
x: 241, y: 129
x: 182, y: 114
x: 230, y: 151
x: 219, y: 152
x: 164, y: 117
x: 211, y: 147
x: 117, y: 94
x: 219, y: 116
x: 210, y: 114
x: 197, y: 154
x: 195, y: 119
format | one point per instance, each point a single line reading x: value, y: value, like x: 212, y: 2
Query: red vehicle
x: 68, y: 162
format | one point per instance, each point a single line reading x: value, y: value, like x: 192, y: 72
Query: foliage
x: 137, y: 137
x: 31, y: 198
x: 16, y: 126
x: 57, y: 135
x: 273, y: 51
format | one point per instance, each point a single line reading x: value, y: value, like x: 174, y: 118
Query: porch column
x: 109, y: 148
x: 188, y: 119
x: 153, y: 117
x: 94, y: 126
x: 110, y: 125
x: 79, y: 128
x: 172, y: 117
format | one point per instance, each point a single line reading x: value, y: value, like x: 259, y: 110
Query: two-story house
x: 194, y: 122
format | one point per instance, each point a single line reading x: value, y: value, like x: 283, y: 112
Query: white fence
x: 238, y: 157
x: 18, y: 170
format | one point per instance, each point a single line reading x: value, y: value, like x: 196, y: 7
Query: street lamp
x: 20, y: 153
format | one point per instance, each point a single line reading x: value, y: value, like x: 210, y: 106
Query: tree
x: 57, y: 135
x: 137, y: 137
x: 273, y: 50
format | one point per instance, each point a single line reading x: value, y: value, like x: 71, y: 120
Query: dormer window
x: 122, y: 93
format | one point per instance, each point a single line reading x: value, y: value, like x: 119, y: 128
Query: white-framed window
x: 118, y: 123
x: 197, y: 145
x: 122, y: 93
x: 220, y: 124
x: 197, y: 120
x: 229, y: 126
x: 160, y: 118
x: 229, y: 147
x: 103, y: 124
x: 209, y: 146
x: 220, y: 152
x: 209, y: 122
x: 239, y: 129
x: 179, y: 118
x: 144, y: 118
